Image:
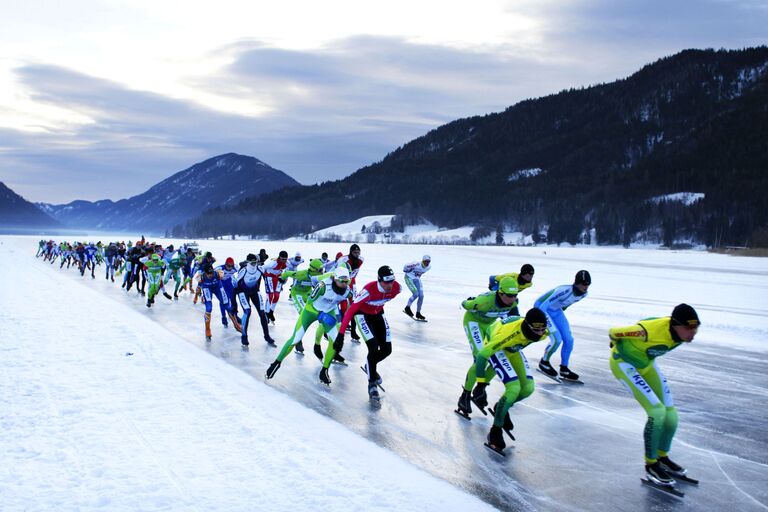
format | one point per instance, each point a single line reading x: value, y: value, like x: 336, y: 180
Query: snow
x: 105, y: 409
x: 187, y: 425
x: 687, y: 198
x: 352, y: 229
x: 426, y: 233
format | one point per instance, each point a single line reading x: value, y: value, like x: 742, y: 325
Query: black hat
x: 354, y: 247
x: 683, y: 314
x: 251, y: 257
x: 582, y: 277
x: 526, y: 269
x: 283, y: 254
x: 386, y: 273
x: 536, y: 318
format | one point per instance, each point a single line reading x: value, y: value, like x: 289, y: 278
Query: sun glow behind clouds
x: 21, y: 112
x: 164, y: 47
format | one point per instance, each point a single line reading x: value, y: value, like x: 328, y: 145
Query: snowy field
x: 85, y: 426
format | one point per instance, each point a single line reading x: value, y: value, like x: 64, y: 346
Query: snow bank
x: 103, y: 408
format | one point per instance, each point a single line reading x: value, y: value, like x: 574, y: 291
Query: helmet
x: 508, y: 285
x: 229, y: 261
x: 536, y: 319
x: 386, y: 273
x: 297, y: 256
x: 251, y: 257
x: 354, y: 247
x: 683, y: 314
x: 283, y: 254
x: 339, y: 255
x: 426, y: 257
x: 316, y: 265
x: 582, y: 277
x: 156, y: 257
x: 341, y: 273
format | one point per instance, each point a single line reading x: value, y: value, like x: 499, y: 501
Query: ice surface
x: 201, y: 423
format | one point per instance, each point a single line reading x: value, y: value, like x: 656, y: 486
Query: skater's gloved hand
x: 492, y: 284
x: 338, y: 343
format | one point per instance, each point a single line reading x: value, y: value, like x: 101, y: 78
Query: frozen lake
x: 577, y: 448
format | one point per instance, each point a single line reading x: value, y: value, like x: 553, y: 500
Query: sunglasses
x: 509, y: 294
x: 538, y: 328
x: 342, y: 280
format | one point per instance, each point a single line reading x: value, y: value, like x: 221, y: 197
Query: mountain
x: 569, y: 166
x: 219, y: 181
x: 17, y: 213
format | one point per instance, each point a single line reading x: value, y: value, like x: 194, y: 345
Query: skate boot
x: 272, y: 370
x: 318, y: 351
x: 465, y: 405
x: 299, y: 347
x: 165, y: 294
x: 421, y: 317
x: 672, y: 468
x: 567, y: 374
x: 244, y: 340
x: 496, y: 439
x: 338, y: 358
x: 373, y: 391
x: 324, y: 378
x: 408, y: 311
x: 547, y: 369
x: 479, y: 397
x: 657, y: 474
x: 269, y: 339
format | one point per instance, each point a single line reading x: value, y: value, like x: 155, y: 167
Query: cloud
x: 322, y: 113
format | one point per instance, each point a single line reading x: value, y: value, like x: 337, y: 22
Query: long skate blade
x: 686, y: 479
x: 555, y: 378
x: 495, y: 450
x: 462, y: 414
x: 669, y: 489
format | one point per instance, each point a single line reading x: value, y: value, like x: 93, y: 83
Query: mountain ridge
x: 18, y: 213
x: 220, y: 180
x: 600, y: 151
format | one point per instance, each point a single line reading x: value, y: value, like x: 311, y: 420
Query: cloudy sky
x: 104, y: 99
